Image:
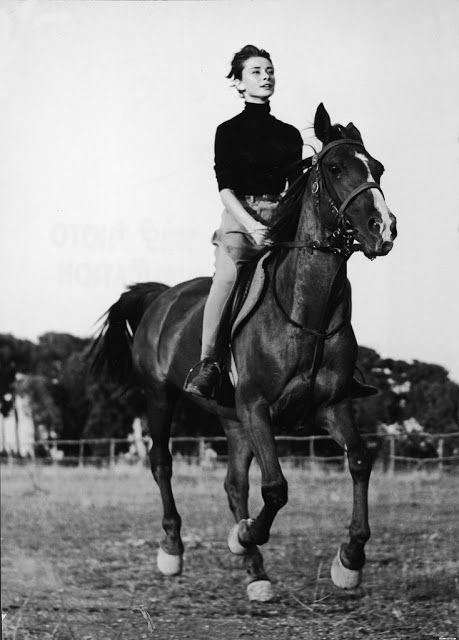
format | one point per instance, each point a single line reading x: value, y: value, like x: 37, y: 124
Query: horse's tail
x: 111, y: 349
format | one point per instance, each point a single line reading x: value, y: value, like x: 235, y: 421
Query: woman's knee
x: 225, y: 268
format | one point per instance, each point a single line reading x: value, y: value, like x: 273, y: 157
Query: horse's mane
x: 289, y: 211
x: 290, y: 205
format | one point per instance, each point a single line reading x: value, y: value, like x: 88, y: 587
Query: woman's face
x: 258, y: 81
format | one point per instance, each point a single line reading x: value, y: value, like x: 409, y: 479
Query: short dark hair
x: 237, y: 63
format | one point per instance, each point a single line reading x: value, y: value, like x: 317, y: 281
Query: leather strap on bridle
x: 298, y: 325
x: 307, y: 163
x: 362, y: 187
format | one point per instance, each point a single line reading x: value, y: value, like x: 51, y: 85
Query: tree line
x: 68, y: 403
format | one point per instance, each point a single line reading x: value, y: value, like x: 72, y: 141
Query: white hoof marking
x: 343, y: 577
x: 168, y: 564
x: 233, y: 542
x: 260, y: 591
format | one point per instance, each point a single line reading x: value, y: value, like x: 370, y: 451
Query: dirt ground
x: 79, y: 559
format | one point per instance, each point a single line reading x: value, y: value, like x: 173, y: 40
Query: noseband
x: 340, y: 241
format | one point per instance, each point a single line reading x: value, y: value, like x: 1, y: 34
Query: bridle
x: 339, y: 242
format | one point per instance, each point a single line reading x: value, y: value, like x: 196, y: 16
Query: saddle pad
x: 254, y: 294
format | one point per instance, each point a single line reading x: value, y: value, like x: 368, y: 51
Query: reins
x: 298, y: 325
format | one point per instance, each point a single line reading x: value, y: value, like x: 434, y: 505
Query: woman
x: 253, y: 153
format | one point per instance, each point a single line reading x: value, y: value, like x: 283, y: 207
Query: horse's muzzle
x: 386, y: 242
x: 381, y: 249
x: 386, y: 247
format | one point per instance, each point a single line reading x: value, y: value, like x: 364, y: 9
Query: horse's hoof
x: 343, y: 577
x: 260, y: 591
x: 168, y: 564
x: 233, y: 542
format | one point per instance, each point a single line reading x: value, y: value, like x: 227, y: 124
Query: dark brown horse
x: 295, y: 356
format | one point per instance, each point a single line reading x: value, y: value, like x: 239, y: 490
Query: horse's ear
x: 322, y: 124
x: 353, y: 132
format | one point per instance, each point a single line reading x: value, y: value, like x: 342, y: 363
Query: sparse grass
x: 79, y: 549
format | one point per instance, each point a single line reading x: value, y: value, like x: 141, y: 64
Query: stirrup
x: 200, y: 362
x: 194, y: 367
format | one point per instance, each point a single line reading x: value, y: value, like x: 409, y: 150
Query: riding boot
x: 208, y: 379
x: 205, y: 381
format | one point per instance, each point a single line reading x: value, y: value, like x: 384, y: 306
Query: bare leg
x: 219, y: 294
x: 237, y: 488
x: 160, y: 407
x: 337, y: 420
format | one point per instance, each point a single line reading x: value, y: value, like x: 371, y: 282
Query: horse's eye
x: 335, y: 169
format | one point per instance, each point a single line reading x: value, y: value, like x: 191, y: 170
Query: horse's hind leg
x: 237, y: 488
x: 347, y: 566
x: 160, y: 408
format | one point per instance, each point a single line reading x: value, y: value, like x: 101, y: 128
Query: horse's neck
x: 310, y: 224
x: 312, y: 278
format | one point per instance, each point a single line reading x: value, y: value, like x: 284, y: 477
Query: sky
x: 108, y: 113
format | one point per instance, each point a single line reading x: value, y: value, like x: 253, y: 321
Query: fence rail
x: 299, y: 449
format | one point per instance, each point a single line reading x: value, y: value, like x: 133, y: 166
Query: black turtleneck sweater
x: 254, y: 150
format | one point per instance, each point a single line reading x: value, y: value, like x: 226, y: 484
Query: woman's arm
x: 224, y: 170
x: 232, y: 204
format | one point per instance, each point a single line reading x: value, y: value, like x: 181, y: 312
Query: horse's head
x: 348, y: 179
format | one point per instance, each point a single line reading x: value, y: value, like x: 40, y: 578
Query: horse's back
x: 167, y: 341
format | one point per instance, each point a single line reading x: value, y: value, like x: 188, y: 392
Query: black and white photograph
x: 229, y: 328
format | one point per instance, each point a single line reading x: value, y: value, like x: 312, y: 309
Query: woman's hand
x: 256, y: 230
x: 233, y: 205
x: 259, y: 234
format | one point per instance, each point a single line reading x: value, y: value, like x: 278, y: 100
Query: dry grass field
x: 79, y: 553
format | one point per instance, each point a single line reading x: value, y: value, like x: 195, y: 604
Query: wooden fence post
x: 81, y: 454
x: 111, y: 461
x: 312, y: 453
x: 201, y: 450
x: 391, y: 467
x: 440, y: 451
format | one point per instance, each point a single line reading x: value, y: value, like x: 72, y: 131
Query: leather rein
x: 340, y: 241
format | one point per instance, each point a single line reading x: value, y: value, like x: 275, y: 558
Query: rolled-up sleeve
x: 224, y: 167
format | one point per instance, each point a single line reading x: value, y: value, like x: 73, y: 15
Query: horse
x: 294, y: 356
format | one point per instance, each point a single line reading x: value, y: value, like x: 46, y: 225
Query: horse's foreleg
x: 274, y: 488
x: 353, y: 554
x: 237, y: 476
x: 347, y: 566
x: 160, y: 408
x: 240, y: 456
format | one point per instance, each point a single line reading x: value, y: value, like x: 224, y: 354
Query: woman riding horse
x: 295, y: 355
x: 252, y: 152
x: 256, y: 157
